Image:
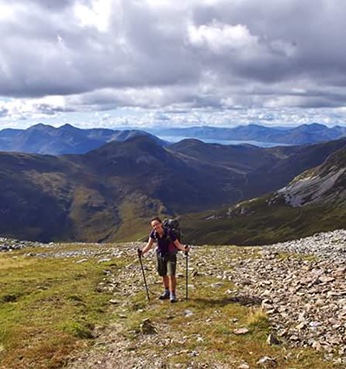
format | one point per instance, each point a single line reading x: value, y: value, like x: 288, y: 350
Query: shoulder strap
x: 166, y: 234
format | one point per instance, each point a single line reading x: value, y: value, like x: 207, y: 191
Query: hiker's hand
x: 186, y: 248
x: 140, y: 252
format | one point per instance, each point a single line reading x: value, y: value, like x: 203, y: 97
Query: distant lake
x: 174, y: 139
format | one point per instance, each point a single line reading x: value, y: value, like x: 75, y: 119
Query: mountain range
x: 45, y: 139
x: 300, y: 135
x: 111, y: 192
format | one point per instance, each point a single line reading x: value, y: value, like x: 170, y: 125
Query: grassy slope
x: 46, y: 307
x: 49, y: 307
x: 277, y: 223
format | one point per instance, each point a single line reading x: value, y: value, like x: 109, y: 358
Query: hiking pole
x: 145, y: 281
x: 187, y: 275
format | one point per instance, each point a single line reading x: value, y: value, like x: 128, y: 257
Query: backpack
x: 173, y: 225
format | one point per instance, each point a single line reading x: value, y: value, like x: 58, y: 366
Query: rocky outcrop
x: 7, y: 244
x: 313, y: 189
x: 302, y: 286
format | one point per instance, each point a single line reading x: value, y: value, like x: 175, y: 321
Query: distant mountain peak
x: 40, y: 127
x: 68, y: 126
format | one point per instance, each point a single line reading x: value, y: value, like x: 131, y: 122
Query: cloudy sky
x: 137, y: 63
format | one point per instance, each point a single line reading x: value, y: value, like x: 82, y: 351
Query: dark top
x: 165, y: 244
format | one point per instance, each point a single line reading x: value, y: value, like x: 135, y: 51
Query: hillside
x: 312, y: 202
x: 91, y: 197
x: 110, y: 193
x: 84, y: 306
x: 264, y: 170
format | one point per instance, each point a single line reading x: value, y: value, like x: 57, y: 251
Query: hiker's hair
x: 158, y: 219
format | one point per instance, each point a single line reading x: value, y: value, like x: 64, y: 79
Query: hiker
x: 167, y: 246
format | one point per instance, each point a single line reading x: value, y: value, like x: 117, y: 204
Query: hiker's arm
x: 180, y: 246
x: 148, y: 246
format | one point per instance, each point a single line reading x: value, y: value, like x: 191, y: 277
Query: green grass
x: 263, y: 225
x: 49, y: 308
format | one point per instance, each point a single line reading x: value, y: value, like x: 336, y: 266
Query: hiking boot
x: 164, y: 296
x: 172, y: 298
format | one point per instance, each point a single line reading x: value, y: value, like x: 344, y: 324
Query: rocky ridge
x: 300, y: 284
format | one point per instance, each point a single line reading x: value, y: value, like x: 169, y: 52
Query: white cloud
x: 210, y: 61
x: 222, y: 38
x: 95, y: 14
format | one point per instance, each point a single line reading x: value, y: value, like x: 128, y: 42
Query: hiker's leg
x: 165, y: 281
x: 171, y: 269
x: 172, y: 283
x: 162, y: 270
x: 166, y: 293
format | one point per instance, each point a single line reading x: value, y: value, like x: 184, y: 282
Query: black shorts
x: 166, y: 265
